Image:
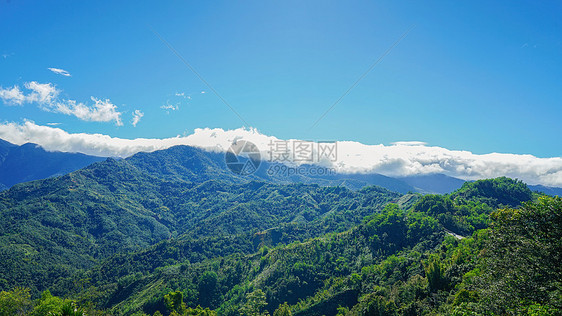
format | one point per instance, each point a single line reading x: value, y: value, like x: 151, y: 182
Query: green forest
x: 157, y: 235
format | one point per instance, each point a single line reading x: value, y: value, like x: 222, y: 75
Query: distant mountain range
x: 546, y: 190
x: 433, y: 183
x: 31, y: 162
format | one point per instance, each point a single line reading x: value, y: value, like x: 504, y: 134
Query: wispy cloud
x: 46, y: 96
x: 170, y: 107
x: 353, y: 157
x: 12, y: 96
x: 183, y: 95
x: 38, y: 93
x: 59, y: 71
x: 53, y: 124
x: 179, y: 98
x: 137, y: 115
x: 100, y: 111
x: 41, y: 92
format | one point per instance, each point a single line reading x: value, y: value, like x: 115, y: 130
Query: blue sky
x: 473, y: 75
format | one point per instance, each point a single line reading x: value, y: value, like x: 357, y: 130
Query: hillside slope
x: 314, y: 273
x: 49, y: 228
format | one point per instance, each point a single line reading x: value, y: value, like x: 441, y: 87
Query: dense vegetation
x: 156, y: 235
x: 54, y: 227
x: 510, y: 268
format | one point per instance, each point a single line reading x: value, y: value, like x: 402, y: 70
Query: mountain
x: 5, y: 149
x: 72, y: 221
x: 53, y: 227
x: 173, y: 229
x: 433, y: 183
x: 292, y: 273
x: 390, y: 250
x: 31, y: 162
x: 359, y: 180
x: 554, y: 191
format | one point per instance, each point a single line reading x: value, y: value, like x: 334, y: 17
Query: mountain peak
x: 31, y: 162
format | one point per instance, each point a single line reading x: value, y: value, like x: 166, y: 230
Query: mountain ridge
x: 126, y: 234
x: 127, y: 204
x: 30, y: 162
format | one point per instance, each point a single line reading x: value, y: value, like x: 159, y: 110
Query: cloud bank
x: 398, y: 159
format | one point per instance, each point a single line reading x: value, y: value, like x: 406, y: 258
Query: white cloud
x: 203, y: 92
x: 12, y: 96
x: 53, y: 124
x: 39, y: 93
x: 183, y: 95
x: 100, y: 111
x: 353, y: 157
x: 137, y: 115
x: 59, y: 71
x: 409, y: 143
x: 400, y: 160
x: 170, y: 107
x: 46, y: 96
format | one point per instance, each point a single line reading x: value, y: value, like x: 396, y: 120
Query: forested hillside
x: 52, y: 227
x: 174, y: 233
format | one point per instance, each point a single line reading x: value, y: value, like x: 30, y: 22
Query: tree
x: 207, y: 287
x: 48, y: 304
x: 174, y: 302
x: 70, y: 309
x: 435, y: 273
x: 199, y: 311
x: 255, y: 301
x: 374, y: 305
x: 342, y: 311
x: 522, y: 262
x: 283, y: 310
x: 15, y: 302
